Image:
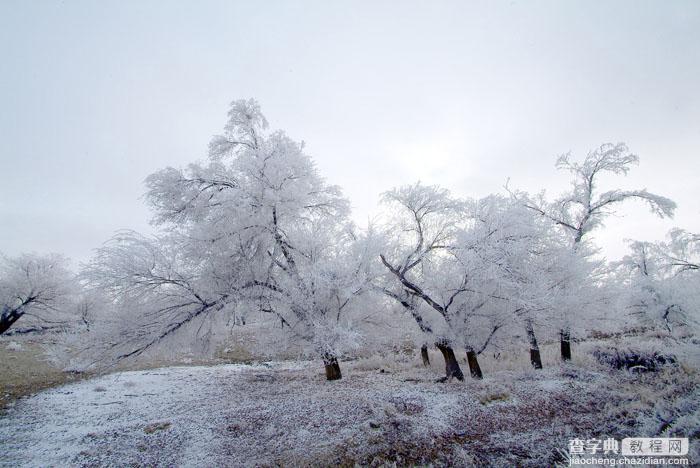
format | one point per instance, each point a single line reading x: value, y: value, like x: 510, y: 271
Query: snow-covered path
x: 227, y: 415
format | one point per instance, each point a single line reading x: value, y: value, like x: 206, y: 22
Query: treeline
x: 256, y: 231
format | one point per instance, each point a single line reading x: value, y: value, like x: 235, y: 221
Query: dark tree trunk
x: 474, y: 367
x: 535, y: 359
x: 565, y: 344
x: 452, y: 368
x: 424, y: 355
x: 8, y: 318
x: 332, y: 368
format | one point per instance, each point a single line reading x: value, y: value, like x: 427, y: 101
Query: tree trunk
x: 535, y: 359
x: 332, y: 367
x: 474, y: 368
x: 424, y: 355
x: 8, y: 318
x: 452, y: 368
x: 565, y: 344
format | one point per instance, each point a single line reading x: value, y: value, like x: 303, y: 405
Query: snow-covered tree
x: 663, y: 281
x: 424, y: 227
x: 254, y: 225
x: 34, y: 286
x: 502, y: 247
x: 452, y: 265
x: 682, y: 252
x: 584, y: 207
x: 159, y: 288
x: 466, y: 270
x: 521, y: 268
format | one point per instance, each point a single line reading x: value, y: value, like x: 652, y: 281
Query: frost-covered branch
x: 30, y: 284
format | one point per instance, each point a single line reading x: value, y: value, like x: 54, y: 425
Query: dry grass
x: 25, y: 371
x: 157, y: 426
x: 493, y: 396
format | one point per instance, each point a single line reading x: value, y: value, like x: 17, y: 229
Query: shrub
x: 634, y: 359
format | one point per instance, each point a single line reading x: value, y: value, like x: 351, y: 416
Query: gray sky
x: 97, y: 95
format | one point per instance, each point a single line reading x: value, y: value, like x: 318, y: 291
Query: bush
x: 634, y: 359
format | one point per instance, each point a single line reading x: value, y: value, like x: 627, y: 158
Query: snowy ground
x: 287, y: 414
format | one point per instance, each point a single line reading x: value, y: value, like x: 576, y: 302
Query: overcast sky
x: 97, y: 95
